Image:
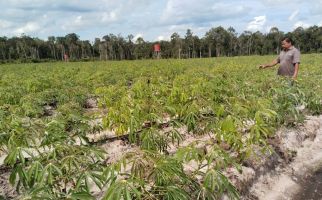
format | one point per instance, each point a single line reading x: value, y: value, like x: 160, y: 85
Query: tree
x: 274, y: 37
x: 176, y: 43
x: 298, y: 37
x: 142, y: 49
x: 60, y: 42
x: 189, y: 44
x: 72, y: 41
x: 217, y: 41
x: 51, y: 44
x: 233, y: 42
x: 3, y: 48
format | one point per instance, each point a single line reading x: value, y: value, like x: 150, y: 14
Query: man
x: 289, y: 60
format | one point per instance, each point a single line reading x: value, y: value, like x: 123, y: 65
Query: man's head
x: 286, y: 43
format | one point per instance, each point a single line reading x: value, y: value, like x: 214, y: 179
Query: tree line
x: 218, y: 41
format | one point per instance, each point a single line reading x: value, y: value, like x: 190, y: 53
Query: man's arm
x: 296, y: 61
x: 273, y: 63
x: 296, y: 67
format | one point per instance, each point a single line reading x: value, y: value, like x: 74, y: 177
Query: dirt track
x: 294, y: 180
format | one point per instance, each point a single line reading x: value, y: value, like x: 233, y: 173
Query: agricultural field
x: 152, y: 129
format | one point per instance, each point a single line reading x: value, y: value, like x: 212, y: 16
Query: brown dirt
x: 6, y: 190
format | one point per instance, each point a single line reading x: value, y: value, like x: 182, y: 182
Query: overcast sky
x: 152, y: 19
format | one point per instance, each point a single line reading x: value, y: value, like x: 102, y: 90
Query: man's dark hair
x: 288, y: 40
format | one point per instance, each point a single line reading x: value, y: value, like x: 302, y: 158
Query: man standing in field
x: 289, y: 60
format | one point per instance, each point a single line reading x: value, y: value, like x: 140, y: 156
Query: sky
x: 153, y: 20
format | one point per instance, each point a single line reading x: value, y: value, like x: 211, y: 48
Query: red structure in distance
x: 157, y: 51
x: 157, y: 48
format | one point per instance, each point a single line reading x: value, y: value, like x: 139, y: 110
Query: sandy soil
x: 286, y: 180
x: 280, y: 175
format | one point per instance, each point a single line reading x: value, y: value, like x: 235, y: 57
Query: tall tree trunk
x: 37, y: 49
x: 217, y: 51
x: 62, y: 52
x: 3, y: 55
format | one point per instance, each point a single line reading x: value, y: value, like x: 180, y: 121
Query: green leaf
x: 13, y: 176
x: 34, y: 174
x: 81, y: 196
x: 11, y: 158
x: 50, y: 172
x: 175, y: 193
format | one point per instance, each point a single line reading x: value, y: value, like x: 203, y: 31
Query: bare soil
x: 292, y: 171
x: 294, y: 178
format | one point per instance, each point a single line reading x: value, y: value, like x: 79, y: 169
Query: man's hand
x: 297, y: 65
x: 273, y: 63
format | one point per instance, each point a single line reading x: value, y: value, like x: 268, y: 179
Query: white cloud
x: 301, y: 24
x: 316, y: 7
x: 279, y: 2
x: 180, y: 28
x: 4, y: 24
x: 30, y: 27
x: 137, y: 36
x: 293, y: 15
x: 268, y: 29
x: 162, y: 38
x: 257, y: 24
x: 276, y: 1
x: 89, y: 19
x: 200, y: 11
x: 109, y: 16
x: 75, y: 23
x: 222, y: 8
x: 78, y: 20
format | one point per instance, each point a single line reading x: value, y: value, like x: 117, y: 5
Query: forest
x: 216, y: 42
